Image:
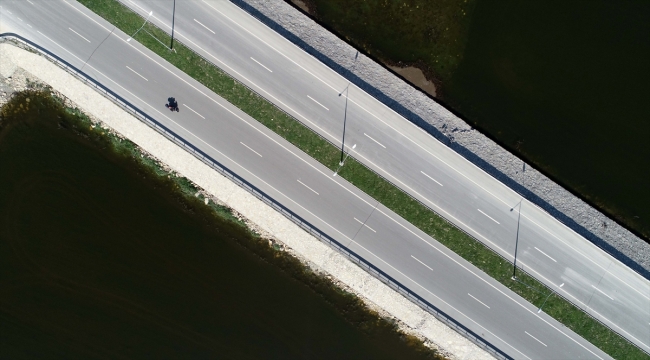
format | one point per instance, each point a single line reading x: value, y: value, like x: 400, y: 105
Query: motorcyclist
x: 172, y: 104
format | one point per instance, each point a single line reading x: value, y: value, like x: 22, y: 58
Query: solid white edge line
x: 436, y: 181
x: 418, y: 260
x: 298, y: 156
x: 127, y: 66
x: 545, y: 254
x: 416, y: 127
x: 535, y: 338
x: 361, y: 222
x: 314, y: 100
x: 290, y: 199
x: 303, y: 184
x: 194, y: 111
x: 260, y: 64
x: 490, y: 217
x: 482, y: 303
x: 600, y: 291
x: 260, y: 155
x: 78, y: 34
x: 86, y: 15
x: 380, y: 144
x: 480, y: 235
x: 203, y: 141
x: 207, y: 28
x: 479, y: 277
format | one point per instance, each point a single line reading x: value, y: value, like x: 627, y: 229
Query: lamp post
x: 343, y: 161
x: 549, y: 295
x: 345, y: 119
x: 345, y: 114
x: 514, y: 269
x: 145, y: 23
x: 171, y: 46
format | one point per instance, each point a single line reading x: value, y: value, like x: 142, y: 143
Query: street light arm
x: 145, y: 23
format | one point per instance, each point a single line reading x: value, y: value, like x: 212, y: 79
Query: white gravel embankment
x: 453, y: 131
x: 17, y: 66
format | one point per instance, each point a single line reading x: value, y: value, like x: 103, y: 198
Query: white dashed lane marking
x: 543, y: 253
x: 482, y: 303
x: 361, y: 222
x: 79, y: 34
x: 303, y: 184
x: 489, y: 217
x: 436, y: 181
x: 260, y: 155
x: 380, y: 144
x: 312, y: 99
x: 135, y: 72
x: 260, y: 64
x: 207, y: 28
x: 194, y: 111
x: 418, y: 260
x: 600, y: 291
x: 535, y: 338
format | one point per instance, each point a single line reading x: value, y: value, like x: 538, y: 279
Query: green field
x: 366, y: 180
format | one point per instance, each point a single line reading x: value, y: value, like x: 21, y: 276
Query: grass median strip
x: 365, y: 179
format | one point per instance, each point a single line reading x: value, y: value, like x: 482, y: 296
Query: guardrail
x: 352, y: 256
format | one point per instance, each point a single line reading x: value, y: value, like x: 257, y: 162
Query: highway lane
x: 302, y: 184
x: 413, y: 160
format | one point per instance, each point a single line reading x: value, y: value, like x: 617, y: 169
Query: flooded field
x: 104, y: 257
x: 562, y: 84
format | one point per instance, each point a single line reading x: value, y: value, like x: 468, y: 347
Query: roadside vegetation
x: 367, y: 180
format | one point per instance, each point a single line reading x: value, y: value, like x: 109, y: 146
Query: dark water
x: 100, y: 258
x: 561, y: 83
x: 566, y: 84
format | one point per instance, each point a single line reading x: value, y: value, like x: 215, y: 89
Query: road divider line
x: 314, y: 100
x: 525, y: 307
x: 436, y: 181
x: 535, y: 338
x: 86, y: 15
x: 207, y: 28
x: 30, y: 2
x: 10, y: 13
x: 482, y: 303
x: 362, y: 223
x: 79, y: 34
x: 303, y: 184
x: 600, y: 291
x: 380, y: 144
x: 136, y: 73
x: 290, y: 199
x: 21, y: 20
x: 260, y: 64
x: 250, y: 149
x: 418, y: 260
x: 197, y: 137
x: 489, y: 217
x: 545, y: 254
x: 194, y: 111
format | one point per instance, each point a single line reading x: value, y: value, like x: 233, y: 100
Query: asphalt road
x: 413, y: 160
x: 305, y: 186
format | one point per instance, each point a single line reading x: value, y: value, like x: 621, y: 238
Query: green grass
x: 366, y: 180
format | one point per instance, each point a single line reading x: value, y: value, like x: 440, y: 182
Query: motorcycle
x: 172, y: 104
